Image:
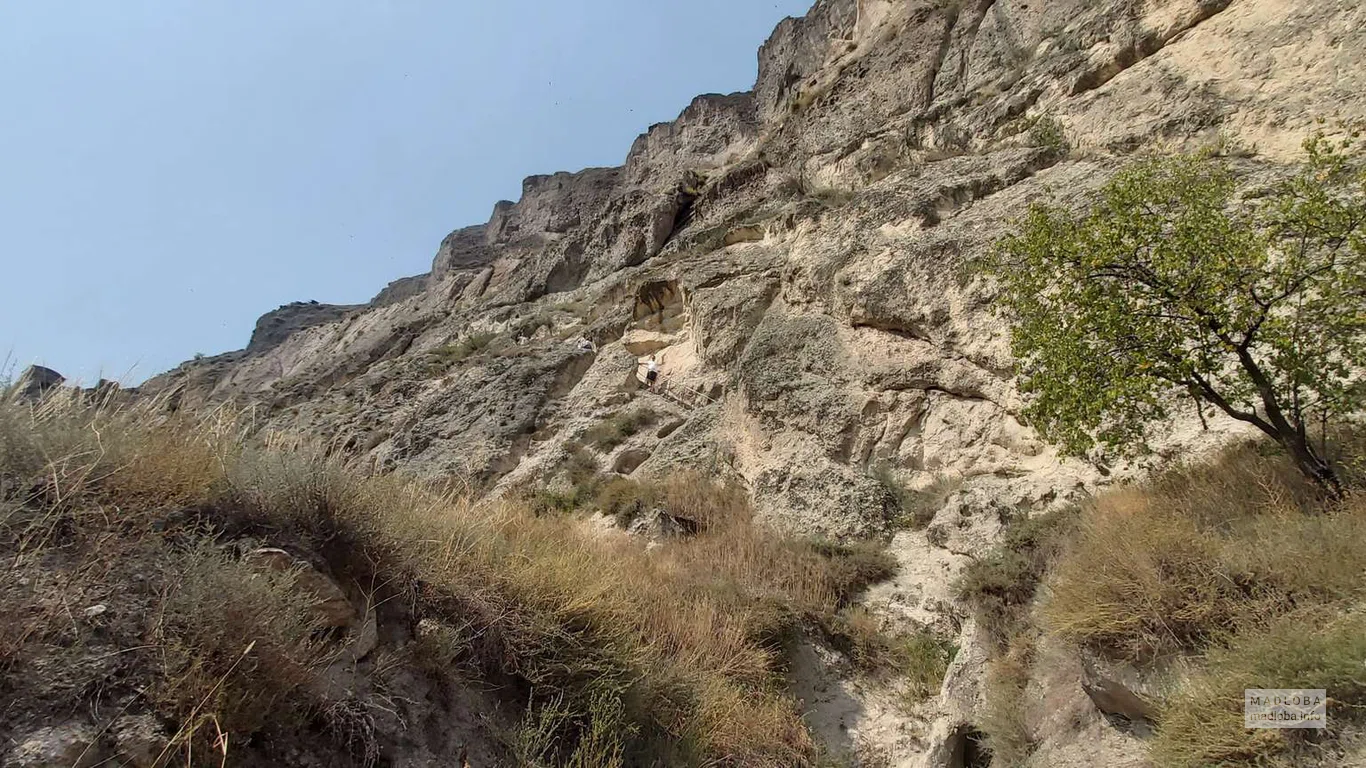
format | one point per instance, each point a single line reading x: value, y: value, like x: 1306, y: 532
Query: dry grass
x: 916, y: 661
x: 236, y: 647
x: 624, y: 499
x: 1202, y: 553
x: 1232, y: 569
x: 616, y: 654
x: 1202, y: 724
x: 1237, y: 567
x: 1007, y: 700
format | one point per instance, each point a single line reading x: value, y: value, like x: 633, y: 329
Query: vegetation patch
x: 617, y: 429
x: 624, y: 500
x: 1046, y: 132
x: 923, y: 658
x: 441, y: 359
x: 1202, y: 724
x: 1203, y: 552
x: 611, y: 654
x: 915, y: 508
x: 915, y: 660
x: 1238, y: 564
x: 1175, y: 285
x: 1001, y: 586
x: 1004, y: 717
x: 1247, y: 567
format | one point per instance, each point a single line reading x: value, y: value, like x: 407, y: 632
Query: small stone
x: 140, y: 740
x: 365, y: 639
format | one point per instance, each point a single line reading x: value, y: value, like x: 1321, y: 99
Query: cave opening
x: 968, y: 748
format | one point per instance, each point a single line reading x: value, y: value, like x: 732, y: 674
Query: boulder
x: 365, y: 640
x: 332, y: 607
x: 658, y: 525
x: 1112, y: 697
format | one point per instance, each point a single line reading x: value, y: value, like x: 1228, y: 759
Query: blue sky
x: 171, y: 169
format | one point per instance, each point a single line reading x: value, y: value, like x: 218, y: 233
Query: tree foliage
x: 1175, y: 283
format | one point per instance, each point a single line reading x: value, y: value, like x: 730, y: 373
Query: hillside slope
x: 792, y: 257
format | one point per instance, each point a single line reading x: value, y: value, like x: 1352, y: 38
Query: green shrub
x: 615, y: 430
x: 923, y: 658
x: 1046, y: 132
x: 1226, y: 144
x: 581, y: 484
x: 624, y: 499
x: 538, y: 742
x: 1174, y: 285
x: 450, y: 354
x: 915, y: 509
x: 543, y: 501
x: 1002, y: 585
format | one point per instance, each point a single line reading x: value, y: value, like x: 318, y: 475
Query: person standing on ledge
x: 651, y: 373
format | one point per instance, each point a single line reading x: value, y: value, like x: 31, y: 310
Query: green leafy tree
x: 1172, y: 283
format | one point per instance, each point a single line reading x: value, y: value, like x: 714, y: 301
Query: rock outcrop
x: 37, y: 381
x: 794, y: 257
x: 276, y: 326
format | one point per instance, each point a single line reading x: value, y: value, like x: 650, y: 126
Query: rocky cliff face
x: 792, y: 257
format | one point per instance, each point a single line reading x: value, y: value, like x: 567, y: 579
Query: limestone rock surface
x: 795, y: 258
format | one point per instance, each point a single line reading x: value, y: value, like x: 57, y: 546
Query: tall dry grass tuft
x: 1240, y: 570
x: 1004, y: 717
x: 1202, y: 724
x: 618, y: 654
x: 1202, y: 552
x: 207, y: 671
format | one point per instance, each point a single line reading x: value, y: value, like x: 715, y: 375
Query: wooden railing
x: 661, y: 387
